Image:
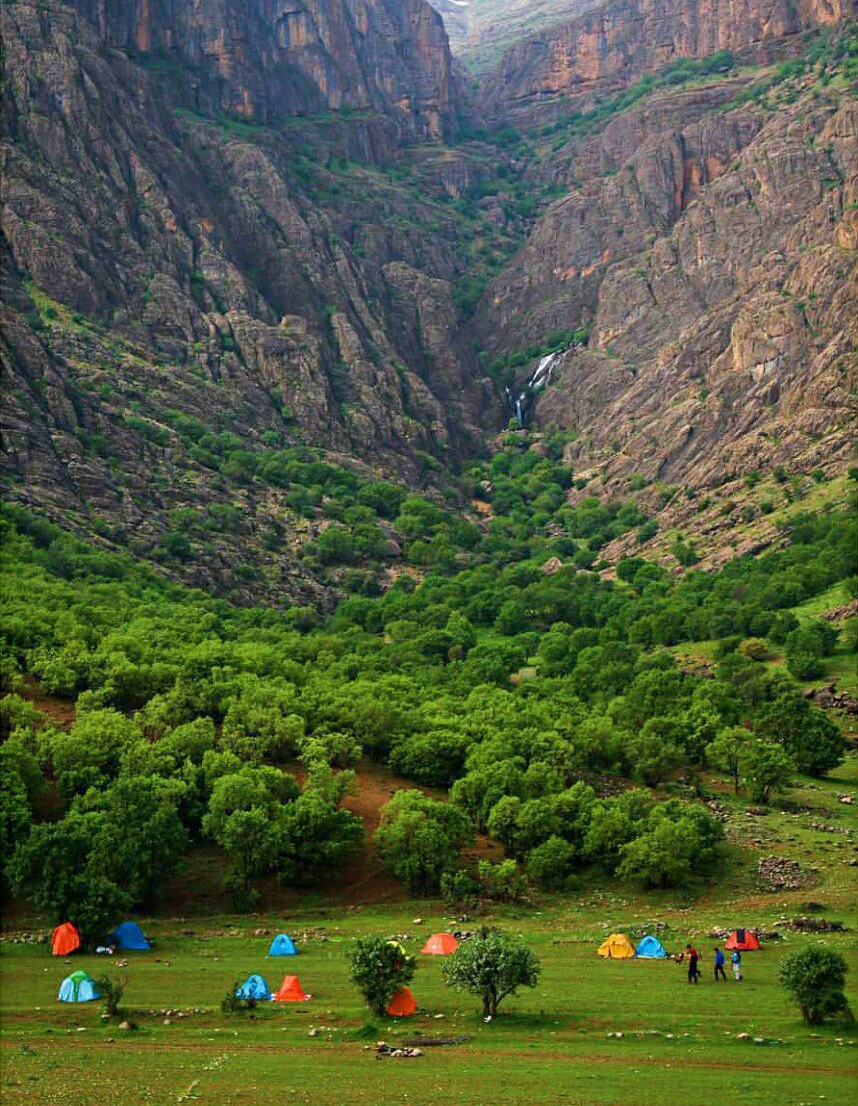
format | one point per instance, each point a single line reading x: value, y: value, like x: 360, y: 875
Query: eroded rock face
x: 187, y: 268
x: 614, y: 44
x: 265, y: 60
x: 728, y: 344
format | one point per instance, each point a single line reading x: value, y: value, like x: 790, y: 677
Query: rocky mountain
x: 264, y: 61
x: 615, y: 43
x: 238, y: 241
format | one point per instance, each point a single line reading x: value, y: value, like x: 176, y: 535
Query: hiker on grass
x: 693, y: 971
x: 736, y: 960
x: 719, y: 965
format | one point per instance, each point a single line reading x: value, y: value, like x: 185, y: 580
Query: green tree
x: 53, y: 866
x: 418, y: 838
x: 491, y: 965
x: 766, y: 768
x: 314, y: 838
x: 141, y: 839
x: 378, y: 968
x: 728, y: 750
x: 811, y: 738
x: 816, y: 978
x: 551, y: 864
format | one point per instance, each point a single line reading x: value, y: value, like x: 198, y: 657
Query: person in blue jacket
x: 719, y: 965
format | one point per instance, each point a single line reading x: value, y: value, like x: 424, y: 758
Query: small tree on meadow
x: 111, y: 988
x: 767, y: 769
x: 378, y: 968
x: 727, y: 750
x: 492, y: 965
x: 816, y: 977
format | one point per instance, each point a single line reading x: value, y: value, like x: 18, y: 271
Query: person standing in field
x: 719, y: 965
x: 736, y: 960
x: 693, y: 971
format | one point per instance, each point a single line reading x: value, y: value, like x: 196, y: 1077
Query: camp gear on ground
x: 282, y: 945
x: 742, y: 939
x: 78, y: 987
x: 440, y: 944
x: 291, y: 991
x: 129, y: 935
x: 650, y: 948
x: 402, y: 1005
x: 254, y: 987
x: 617, y: 947
x: 65, y: 940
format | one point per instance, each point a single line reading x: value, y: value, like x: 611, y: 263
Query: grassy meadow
x: 679, y: 1046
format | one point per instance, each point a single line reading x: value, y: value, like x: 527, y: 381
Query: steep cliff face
x: 718, y: 271
x: 266, y: 60
x: 275, y: 284
x: 609, y: 46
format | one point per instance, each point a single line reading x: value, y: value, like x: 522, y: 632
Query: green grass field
x: 679, y: 1044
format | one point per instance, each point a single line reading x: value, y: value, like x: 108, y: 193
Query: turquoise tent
x: 255, y: 987
x: 78, y: 987
x: 129, y: 936
x: 282, y: 945
x: 650, y: 948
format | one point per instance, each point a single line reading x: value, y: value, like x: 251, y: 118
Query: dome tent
x: 403, y: 1004
x: 440, y: 944
x: 65, y: 939
x: 650, y: 948
x: 291, y: 991
x: 743, y: 940
x: 617, y: 947
x: 254, y: 987
x: 129, y: 935
x: 282, y: 945
x: 78, y: 987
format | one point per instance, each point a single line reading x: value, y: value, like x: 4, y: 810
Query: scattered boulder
x: 779, y: 873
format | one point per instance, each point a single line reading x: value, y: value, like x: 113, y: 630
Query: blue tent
x: 282, y: 946
x: 650, y: 948
x: 78, y: 987
x: 129, y: 936
x: 254, y: 987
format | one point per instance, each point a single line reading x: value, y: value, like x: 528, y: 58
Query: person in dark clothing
x: 719, y: 965
x: 693, y: 970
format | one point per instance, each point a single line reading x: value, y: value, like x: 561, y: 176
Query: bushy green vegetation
x: 522, y: 692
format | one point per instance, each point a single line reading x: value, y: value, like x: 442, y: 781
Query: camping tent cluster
x: 619, y: 947
x: 127, y: 936
x: 255, y: 988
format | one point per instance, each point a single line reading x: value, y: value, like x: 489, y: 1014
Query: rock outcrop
x: 614, y: 44
x: 265, y: 61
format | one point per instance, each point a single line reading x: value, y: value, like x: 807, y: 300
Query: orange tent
x: 290, y: 991
x: 440, y: 944
x: 65, y: 940
x: 402, y: 1005
x: 743, y: 940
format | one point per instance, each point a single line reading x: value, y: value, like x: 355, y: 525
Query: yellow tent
x: 617, y: 947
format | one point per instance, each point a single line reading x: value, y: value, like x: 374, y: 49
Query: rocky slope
x: 264, y: 61
x: 201, y: 278
x: 708, y: 240
x: 613, y: 44
x: 265, y: 281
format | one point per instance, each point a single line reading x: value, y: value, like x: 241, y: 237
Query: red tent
x: 440, y: 944
x: 743, y: 940
x: 290, y: 990
x: 402, y: 1005
x: 65, y: 940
